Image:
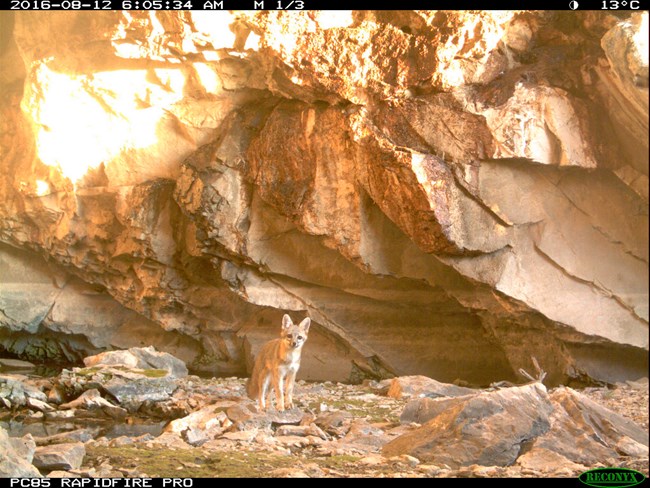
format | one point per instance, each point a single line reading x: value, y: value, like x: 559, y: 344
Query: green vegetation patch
x: 88, y: 371
x: 192, y: 462
x: 199, y: 463
x: 153, y: 373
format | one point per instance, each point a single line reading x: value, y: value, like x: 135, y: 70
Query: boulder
x: 144, y: 358
x: 584, y: 432
x: 421, y: 386
x: 526, y: 425
x: 17, y: 456
x: 487, y: 428
x: 59, y: 456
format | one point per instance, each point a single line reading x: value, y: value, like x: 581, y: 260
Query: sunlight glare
x: 80, y: 122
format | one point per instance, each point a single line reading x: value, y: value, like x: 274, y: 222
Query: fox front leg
x: 278, y: 383
x: 288, y: 389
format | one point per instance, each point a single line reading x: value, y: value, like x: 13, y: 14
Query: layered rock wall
x: 444, y: 193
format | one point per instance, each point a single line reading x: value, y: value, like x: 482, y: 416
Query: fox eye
x: 300, y: 338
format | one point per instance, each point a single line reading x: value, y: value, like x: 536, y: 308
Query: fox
x: 276, y: 365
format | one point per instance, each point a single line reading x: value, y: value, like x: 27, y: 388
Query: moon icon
x: 573, y: 5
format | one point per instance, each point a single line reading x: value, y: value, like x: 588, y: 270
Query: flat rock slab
x: 246, y: 417
x: 79, y: 435
x: 60, y: 456
x: 422, y: 386
x: 364, y: 434
x: 92, y: 400
x: 487, y: 428
x: 10, y: 364
x: 132, y: 389
x: 293, y: 416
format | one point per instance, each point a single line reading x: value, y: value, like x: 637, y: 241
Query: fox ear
x: 286, y: 321
x: 305, y: 324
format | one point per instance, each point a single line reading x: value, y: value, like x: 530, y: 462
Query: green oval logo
x: 606, y: 477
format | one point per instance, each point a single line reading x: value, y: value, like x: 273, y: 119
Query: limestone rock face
x: 443, y: 193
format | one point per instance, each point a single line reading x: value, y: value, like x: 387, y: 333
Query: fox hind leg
x: 265, y: 393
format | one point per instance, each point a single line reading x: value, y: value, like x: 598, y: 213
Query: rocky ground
x: 139, y: 414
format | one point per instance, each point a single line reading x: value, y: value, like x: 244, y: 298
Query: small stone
x: 409, y: 460
x: 301, y: 430
x: 56, y: 395
x: 296, y: 441
x: 292, y: 416
x: 429, y: 469
x: 39, y: 405
x: 288, y: 473
x: 313, y: 470
x: 168, y: 440
x: 243, y: 435
x: 483, y: 471
x: 373, y: 460
x: 62, y: 474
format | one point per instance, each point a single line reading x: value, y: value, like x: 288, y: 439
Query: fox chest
x: 290, y: 364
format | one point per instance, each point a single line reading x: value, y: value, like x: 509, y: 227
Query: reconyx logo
x: 611, y: 477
